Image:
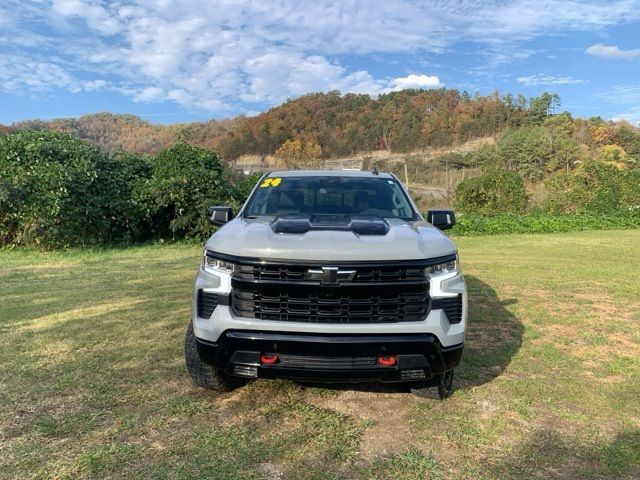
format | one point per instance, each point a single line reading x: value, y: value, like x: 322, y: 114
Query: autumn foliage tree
x: 294, y: 154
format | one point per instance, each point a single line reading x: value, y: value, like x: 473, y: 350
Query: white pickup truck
x: 328, y: 276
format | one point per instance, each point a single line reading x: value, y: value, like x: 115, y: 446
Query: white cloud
x: 633, y: 117
x: 94, y: 85
x: 5, y: 17
x: 627, y: 97
x: 545, y: 79
x: 622, y: 95
x: 416, y: 81
x: 96, y: 16
x: 612, y: 51
x: 276, y: 75
x: 19, y: 74
x: 149, y: 94
x: 226, y: 56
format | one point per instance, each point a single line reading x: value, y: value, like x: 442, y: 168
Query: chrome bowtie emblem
x: 329, y: 275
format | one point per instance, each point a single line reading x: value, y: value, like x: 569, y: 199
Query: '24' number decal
x: 270, y: 182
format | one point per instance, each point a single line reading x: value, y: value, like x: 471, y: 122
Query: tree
x: 486, y: 156
x: 186, y: 181
x: 541, y: 107
x: 629, y: 139
x: 565, y: 154
x: 294, y: 154
x: 565, y: 151
x: 340, y: 124
x: 614, y: 155
x: 601, y: 134
x: 526, y: 150
x: 243, y: 186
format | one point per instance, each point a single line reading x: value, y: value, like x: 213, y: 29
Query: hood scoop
x: 359, y: 224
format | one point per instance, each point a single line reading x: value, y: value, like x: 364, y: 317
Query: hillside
x: 431, y: 139
x: 342, y: 125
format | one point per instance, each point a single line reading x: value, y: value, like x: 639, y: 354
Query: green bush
x: 186, y: 181
x: 242, y: 188
x: 596, y: 188
x: 122, y: 189
x: 47, y: 190
x: 543, y: 223
x: 57, y: 191
x: 494, y: 191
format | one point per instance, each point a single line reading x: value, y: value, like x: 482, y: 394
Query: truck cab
x: 330, y: 276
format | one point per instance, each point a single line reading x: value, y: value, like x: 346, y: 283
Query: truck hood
x: 404, y: 241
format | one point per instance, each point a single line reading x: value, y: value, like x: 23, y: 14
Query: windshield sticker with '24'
x: 270, y: 182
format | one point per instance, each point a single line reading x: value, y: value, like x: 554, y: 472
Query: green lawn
x: 93, y: 384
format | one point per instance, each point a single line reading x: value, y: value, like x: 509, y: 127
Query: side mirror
x: 219, y: 215
x: 441, y: 219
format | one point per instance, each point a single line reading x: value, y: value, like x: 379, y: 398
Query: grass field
x: 93, y: 384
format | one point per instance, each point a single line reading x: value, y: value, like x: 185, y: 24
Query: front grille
x: 207, y: 303
x: 296, y: 273
x: 384, y: 293
x: 452, y: 307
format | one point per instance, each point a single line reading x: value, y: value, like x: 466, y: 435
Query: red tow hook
x: 387, y: 360
x: 268, y: 358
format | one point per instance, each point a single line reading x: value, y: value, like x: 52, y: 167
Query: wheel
x: 205, y: 375
x: 443, y: 381
x: 445, y: 386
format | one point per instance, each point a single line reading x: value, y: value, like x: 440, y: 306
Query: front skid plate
x: 330, y: 358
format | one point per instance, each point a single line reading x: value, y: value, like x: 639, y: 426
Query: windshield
x: 279, y: 196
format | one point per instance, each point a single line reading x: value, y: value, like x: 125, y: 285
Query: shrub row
x: 57, y: 191
x: 470, y: 224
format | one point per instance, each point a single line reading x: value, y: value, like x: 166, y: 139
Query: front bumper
x: 329, y: 358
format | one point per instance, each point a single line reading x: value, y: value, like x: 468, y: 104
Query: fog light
x: 268, y: 358
x: 412, y: 375
x: 245, y: 371
x: 387, y: 360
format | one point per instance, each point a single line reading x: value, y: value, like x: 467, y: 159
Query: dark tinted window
x: 330, y: 195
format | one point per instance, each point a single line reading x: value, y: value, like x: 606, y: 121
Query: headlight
x: 215, y: 265
x: 441, y: 268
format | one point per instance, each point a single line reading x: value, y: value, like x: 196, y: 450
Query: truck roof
x: 326, y: 173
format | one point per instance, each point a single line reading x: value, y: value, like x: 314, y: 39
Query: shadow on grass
x: 494, y: 336
x: 549, y: 454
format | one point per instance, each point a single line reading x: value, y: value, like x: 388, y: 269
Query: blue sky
x: 179, y: 61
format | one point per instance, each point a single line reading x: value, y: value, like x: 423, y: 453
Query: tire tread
x: 205, y: 375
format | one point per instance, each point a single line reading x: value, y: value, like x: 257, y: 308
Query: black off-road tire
x: 205, y: 375
x: 441, y: 386
x: 445, y: 385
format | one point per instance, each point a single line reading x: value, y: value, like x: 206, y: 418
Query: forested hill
x: 339, y: 124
